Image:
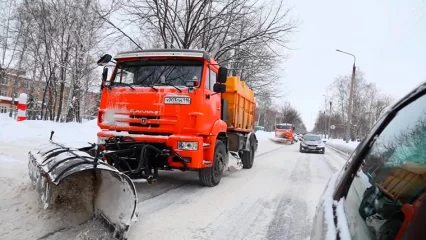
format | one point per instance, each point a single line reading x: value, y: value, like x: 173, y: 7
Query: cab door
x: 212, y: 101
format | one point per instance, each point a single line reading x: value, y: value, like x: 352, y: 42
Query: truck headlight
x: 188, y: 145
x: 101, y: 140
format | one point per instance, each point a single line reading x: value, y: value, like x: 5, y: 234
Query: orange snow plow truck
x: 160, y: 109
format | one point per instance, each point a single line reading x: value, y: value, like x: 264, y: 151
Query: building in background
x: 14, y: 82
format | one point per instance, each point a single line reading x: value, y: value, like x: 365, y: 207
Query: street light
x: 351, y: 92
x: 325, y: 115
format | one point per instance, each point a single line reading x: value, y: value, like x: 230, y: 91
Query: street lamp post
x: 351, y: 92
x: 329, y: 122
x: 325, y: 116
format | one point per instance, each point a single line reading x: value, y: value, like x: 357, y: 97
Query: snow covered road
x: 276, y: 199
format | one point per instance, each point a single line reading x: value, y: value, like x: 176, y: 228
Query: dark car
x: 380, y: 191
x: 312, y: 143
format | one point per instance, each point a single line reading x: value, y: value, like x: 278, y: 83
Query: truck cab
x: 285, y: 131
x: 164, y: 109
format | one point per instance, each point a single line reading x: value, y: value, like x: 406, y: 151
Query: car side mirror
x: 219, y: 88
x: 222, y: 75
x: 104, y: 60
x: 324, y: 141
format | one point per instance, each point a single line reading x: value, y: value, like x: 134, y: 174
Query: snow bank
x: 342, y: 146
x: 262, y: 135
x: 32, y: 133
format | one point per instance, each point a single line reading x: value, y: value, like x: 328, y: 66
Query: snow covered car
x: 380, y: 191
x: 312, y: 143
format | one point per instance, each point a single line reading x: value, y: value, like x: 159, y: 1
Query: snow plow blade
x: 61, y: 174
x: 279, y: 140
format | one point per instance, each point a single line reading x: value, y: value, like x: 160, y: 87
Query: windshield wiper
x: 126, y: 84
x: 153, y: 88
x: 169, y: 84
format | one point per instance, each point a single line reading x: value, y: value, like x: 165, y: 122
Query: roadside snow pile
x: 33, y: 132
x: 341, y: 145
x: 262, y: 135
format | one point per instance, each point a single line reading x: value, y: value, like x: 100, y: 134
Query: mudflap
x: 62, y: 174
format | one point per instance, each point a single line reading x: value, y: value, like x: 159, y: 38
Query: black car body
x: 312, y: 143
x: 380, y: 191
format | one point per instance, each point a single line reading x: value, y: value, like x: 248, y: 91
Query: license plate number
x: 312, y: 147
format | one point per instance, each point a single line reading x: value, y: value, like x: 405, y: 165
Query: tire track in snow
x: 301, y: 172
x: 290, y: 221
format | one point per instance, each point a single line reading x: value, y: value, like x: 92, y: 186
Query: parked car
x: 312, y: 143
x: 380, y: 191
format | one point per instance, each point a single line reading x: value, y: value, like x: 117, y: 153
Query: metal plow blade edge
x: 279, y: 140
x: 70, y: 177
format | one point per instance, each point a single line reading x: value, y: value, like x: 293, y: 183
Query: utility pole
x: 325, y: 116
x: 351, y: 92
x: 329, y: 121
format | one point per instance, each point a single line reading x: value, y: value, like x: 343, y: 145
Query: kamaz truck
x: 162, y: 109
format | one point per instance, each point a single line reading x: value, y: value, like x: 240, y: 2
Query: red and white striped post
x: 22, y: 107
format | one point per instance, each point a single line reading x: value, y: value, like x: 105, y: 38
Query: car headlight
x: 303, y: 144
x: 188, y: 145
x: 321, y: 144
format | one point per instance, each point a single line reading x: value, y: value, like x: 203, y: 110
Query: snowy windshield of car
x: 311, y: 138
x: 283, y: 126
x: 158, y: 72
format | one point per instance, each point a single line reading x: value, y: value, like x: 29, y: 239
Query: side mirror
x: 219, y: 88
x: 104, y: 77
x: 324, y: 141
x: 104, y: 60
x: 222, y: 75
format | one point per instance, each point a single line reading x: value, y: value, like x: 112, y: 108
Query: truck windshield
x: 172, y: 72
x: 283, y: 126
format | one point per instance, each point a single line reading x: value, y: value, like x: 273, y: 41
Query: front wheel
x: 211, y: 176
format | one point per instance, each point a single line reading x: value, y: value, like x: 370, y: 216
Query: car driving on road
x: 312, y: 143
x: 380, y: 192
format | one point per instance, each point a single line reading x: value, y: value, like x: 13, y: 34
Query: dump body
x: 241, y: 105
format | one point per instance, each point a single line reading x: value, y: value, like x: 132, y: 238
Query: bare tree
x: 248, y: 38
x: 368, y: 105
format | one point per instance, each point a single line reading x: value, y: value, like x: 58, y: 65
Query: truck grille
x: 133, y: 124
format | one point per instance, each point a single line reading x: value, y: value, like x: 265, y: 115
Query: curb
x: 344, y: 154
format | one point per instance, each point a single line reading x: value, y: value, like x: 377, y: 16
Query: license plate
x: 312, y: 148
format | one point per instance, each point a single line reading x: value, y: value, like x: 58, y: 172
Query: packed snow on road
x: 276, y: 199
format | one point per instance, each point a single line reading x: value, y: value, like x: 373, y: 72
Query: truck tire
x: 211, y: 176
x: 248, y: 156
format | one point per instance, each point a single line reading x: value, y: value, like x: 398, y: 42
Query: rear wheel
x: 211, y: 176
x: 248, y: 156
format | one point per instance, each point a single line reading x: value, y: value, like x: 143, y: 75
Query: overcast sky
x: 388, y: 38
